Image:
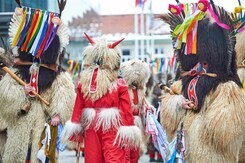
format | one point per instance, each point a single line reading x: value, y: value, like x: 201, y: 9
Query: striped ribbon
x: 36, y: 31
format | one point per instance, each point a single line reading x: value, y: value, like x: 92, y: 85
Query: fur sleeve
x: 63, y: 97
x: 12, y: 98
x: 224, y: 121
x: 171, y: 113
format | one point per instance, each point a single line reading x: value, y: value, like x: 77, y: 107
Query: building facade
x: 154, y: 42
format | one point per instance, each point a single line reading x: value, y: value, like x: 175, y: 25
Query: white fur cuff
x: 69, y: 130
x: 128, y: 136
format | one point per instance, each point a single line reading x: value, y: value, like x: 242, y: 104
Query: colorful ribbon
x: 36, y: 31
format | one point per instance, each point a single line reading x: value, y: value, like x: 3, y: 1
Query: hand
x: 186, y: 104
x: 55, y: 120
x: 28, y: 88
x: 151, y: 109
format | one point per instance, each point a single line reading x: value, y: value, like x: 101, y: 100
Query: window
x: 126, y: 52
x: 156, y: 51
x: 161, y: 51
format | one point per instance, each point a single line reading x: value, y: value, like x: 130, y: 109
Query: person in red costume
x: 102, y: 112
x: 136, y: 74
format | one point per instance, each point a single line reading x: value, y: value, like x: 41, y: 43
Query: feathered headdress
x: 33, y: 30
x: 184, y: 20
x: 206, y: 31
x: 43, y: 35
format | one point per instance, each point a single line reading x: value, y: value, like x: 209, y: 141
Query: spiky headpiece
x: 101, y: 62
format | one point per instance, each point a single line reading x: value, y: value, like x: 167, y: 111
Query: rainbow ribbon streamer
x: 165, y: 65
x: 74, y: 68
x: 187, y: 31
x: 33, y: 35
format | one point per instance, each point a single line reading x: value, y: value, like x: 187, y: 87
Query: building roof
x: 114, y: 25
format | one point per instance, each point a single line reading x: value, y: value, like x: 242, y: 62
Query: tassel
x: 34, y: 70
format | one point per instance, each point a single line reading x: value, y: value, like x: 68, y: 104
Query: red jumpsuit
x: 107, y: 125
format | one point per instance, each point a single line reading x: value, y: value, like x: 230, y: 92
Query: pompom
x: 203, y: 5
x: 175, y: 9
x: 19, y: 11
x: 238, y: 9
x: 56, y: 20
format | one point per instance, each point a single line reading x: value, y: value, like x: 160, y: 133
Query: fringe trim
x: 108, y: 118
x: 87, y: 117
x: 138, y: 122
x: 128, y: 136
x: 69, y: 130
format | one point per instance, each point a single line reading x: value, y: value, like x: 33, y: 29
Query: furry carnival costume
x: 239, y: 24
x: 241, y: 73
x: 213, y: 130
x: 136, y: 74
x: 40, y: 37
x: 102, y: 112
x: 5, y: 60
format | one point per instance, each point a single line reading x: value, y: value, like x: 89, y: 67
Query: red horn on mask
x: 89, y: 39
x: 113, y: 45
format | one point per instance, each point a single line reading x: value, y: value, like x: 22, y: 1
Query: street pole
x: 136, y: 31
x: 142, y: 32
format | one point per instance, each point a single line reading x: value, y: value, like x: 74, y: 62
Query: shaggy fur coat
x: 24, y: 130
x: 216, y: 133
x: 240, y: 50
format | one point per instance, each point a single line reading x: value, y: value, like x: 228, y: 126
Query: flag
x: 140, y: 3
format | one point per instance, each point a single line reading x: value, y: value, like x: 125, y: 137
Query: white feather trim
x: 87, y: 117
x: 108, y: 118
x: 69, y: 130
x: 128, y: 136
x: 14, y: 26
x: 63, y: 35
x: 16, y: 21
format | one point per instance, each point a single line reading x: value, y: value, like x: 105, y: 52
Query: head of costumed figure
x: 101, y: 63
x: 136, y: 73
x: 204, y: 40
x: 40, y: 37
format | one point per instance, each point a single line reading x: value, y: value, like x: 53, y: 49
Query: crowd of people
x: 112, y: 111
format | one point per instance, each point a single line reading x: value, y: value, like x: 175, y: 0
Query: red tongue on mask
x: 136, y: 100
x: 93, y: 83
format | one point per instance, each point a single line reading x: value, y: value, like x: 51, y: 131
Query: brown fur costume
x: 240, y: 49
x: 6, y: 59
x: 215, y: 130
x: 56, y: 87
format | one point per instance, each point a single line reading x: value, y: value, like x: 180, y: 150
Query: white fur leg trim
x: 69, y: 130
x: 87, y: 117
x: 108, y: 118
x: 138, y: 122
x: 128, y: 136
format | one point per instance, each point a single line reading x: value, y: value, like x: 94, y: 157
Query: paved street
x: 69, y: 157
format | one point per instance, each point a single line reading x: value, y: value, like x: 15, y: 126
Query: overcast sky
x: 76, y: 8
